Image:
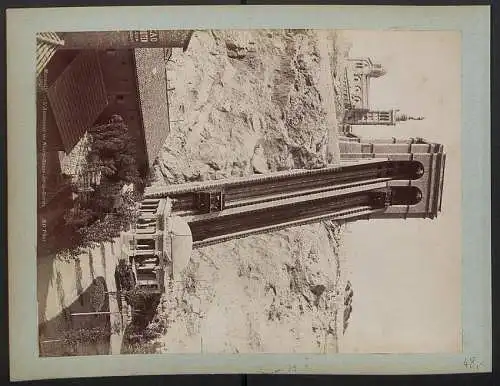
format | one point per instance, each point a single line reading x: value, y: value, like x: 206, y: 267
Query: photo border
x: 472, y: 21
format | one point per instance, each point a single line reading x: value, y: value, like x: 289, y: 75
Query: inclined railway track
x: 283, y: 183
x: 262, y: 203
x: 381, y: 168
x: 360, y: 212
x: 274, y: 216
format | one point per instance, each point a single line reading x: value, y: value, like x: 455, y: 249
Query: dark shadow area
x: 45, y: 274
x: 67, y: 225
x: 58, y: 237
x: 54, y: 193
x: 407, y: 170
x: 67, y: 335
x: 406, y: 195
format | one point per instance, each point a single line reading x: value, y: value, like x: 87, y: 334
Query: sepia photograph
x: 245, y: 191
x: 248, y: 191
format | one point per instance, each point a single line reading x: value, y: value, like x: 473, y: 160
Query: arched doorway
x: 406, y: 195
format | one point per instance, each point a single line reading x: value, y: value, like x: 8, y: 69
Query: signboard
x: 148, y: 36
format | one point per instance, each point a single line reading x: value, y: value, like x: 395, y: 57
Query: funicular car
x: 381, y: 198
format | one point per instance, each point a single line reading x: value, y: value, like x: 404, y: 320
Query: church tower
x: 377, y: 117
x: 358, y: 74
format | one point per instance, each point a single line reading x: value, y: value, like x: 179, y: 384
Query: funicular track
x: 262, y: 203
x: 274, y: 216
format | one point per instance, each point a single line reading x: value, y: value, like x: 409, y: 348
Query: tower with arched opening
x: 413, y: 198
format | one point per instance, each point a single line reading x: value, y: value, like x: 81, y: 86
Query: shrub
x: 115, y: 149
x: 124, y: 277
x: 109, y: 227
x: 143, y: 347
x: 106, y: 211
x: 140, y: 299
x: 86, y: 335
x: 144, y: 305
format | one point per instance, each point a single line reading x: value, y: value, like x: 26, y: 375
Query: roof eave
x: 187, y: 41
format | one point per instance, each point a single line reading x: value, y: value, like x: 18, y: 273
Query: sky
x: 406, y: 273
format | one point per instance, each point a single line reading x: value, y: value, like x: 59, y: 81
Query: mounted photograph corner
x: 248, y: 191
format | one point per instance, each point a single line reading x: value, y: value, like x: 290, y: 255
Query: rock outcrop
x: 249, y: 102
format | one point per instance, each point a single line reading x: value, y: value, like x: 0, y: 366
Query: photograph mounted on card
x: 277, y: 195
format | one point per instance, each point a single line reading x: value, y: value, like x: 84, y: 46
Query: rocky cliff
x: 244, y: 102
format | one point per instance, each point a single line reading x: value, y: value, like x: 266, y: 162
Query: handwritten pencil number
x: 472, y: 363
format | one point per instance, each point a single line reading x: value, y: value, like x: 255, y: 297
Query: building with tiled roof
x: 78, y: 97
x: 153, y: 98
x: 85, y: 78
x: 46, y: 45
x: 85, y: 87
x: 103, y: 40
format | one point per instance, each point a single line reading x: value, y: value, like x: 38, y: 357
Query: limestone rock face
x: 221, y: 107
x: 248, y: 102
x: 259, y: 161
x: 276, y: 292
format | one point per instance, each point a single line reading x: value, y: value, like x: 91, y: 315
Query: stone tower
x: 417, y: 198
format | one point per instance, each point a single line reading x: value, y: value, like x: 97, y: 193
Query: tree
x: 124, y: 277
x: 144, y: 304
x: 112, y: 144
x: 107, y: 211
x: 106, y: 229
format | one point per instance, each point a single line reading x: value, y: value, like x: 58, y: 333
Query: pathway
x: 66, y: 287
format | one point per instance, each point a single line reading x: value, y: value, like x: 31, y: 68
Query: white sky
x: 406, y: 273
